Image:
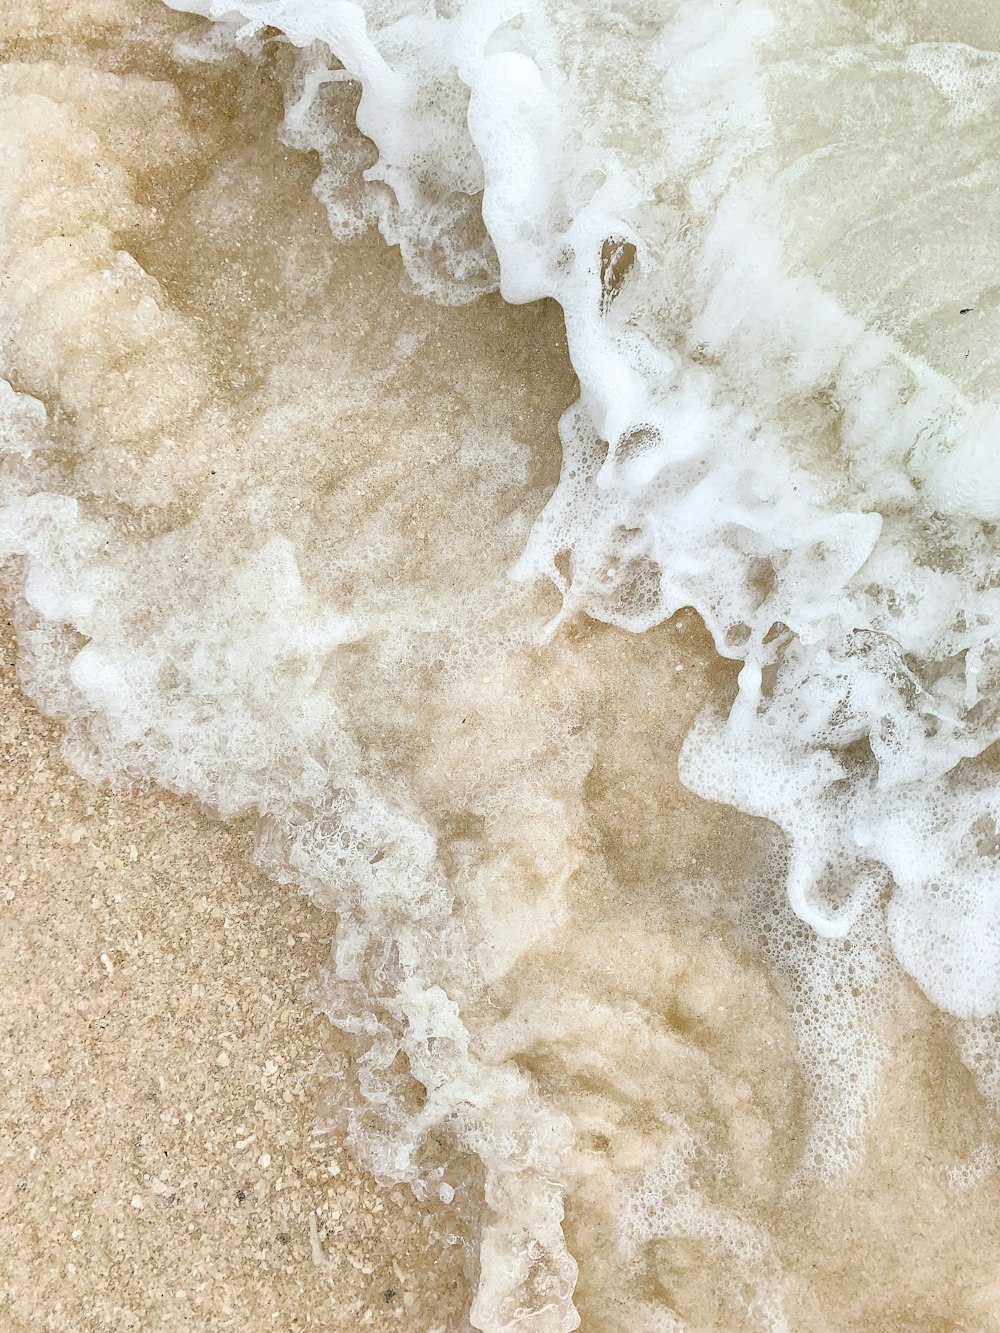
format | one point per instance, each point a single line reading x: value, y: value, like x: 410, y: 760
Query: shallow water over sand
x: 263, y: 503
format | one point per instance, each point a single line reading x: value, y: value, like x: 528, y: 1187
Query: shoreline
x: 578, y: 989
x: 162, y: 1075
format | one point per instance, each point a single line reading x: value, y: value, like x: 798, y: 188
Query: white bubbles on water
x: 781, y: 325
x: 668, y: 1205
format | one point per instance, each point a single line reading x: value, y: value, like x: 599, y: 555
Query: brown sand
x: 163, y: 1078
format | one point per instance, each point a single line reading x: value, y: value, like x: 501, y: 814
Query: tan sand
x: 162, y: 1078
x: 163, y: 1059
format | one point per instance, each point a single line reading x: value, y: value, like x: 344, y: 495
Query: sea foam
x: 770, y: 430
x: 780, y: 323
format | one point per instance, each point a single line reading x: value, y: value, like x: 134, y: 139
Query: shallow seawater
x: 561, y: 516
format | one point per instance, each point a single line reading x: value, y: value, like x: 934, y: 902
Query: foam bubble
x: 248, y: 569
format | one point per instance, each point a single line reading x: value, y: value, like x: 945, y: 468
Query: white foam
x: 817, y: 491
x: 774, y: 427
x: 668, y: 1203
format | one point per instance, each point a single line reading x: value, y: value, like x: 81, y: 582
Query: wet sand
x: 164, y: 1075
x: 164, y: 1068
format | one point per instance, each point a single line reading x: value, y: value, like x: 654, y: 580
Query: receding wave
x: 538, y: 460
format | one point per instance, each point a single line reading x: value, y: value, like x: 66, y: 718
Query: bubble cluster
x: 247, y: 569
x: 753, y: 439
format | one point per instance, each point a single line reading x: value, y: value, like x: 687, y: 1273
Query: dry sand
x: 163, y: 1080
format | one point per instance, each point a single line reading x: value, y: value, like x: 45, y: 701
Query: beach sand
x: 163, y: 1077
x: 164, y: 1069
